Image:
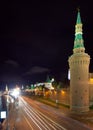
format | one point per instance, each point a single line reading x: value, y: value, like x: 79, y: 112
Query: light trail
x: 28, y: 123
x: 50, y: 122
x: 33, y: 119
x: 40, y: 119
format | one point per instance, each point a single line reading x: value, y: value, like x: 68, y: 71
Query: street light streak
x: 54, y: 123
x: 39, y: 121
x: 41, y: 115
x: 42, y: 120
x: 28, y: 123
x: 32, y: 119
x: 23, y: 101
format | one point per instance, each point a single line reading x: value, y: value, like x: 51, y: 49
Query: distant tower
x: 79, y: 70
x: 6, y: 89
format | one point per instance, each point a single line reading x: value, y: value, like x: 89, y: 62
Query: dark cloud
x: 37, y: 70
x: 12, y: 63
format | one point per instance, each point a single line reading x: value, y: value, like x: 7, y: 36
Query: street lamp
x: 7, y: 127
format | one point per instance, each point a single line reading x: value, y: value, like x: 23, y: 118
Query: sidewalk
x: 10, y: 122
x: 16, y: 120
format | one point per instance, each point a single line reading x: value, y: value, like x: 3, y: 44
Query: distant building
x: 40, y: 88
x: 79, y: 72
x: 48, y: 84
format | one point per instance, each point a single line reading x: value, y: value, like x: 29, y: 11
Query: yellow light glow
x: 55, y: 92
x: 91, y: 80
x: 62, y: 92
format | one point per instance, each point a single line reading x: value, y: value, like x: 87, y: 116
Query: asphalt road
x: 32, y: 115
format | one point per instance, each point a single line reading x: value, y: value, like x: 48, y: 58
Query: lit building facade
x: 79, y: 72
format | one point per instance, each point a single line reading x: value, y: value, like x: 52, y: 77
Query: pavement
x: 9, y: 123
x: 84, y: 117
x: 16, y: 119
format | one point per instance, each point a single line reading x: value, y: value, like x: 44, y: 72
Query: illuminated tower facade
x: 79, y: 70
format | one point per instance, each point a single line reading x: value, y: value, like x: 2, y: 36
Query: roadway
x: 32, y: 115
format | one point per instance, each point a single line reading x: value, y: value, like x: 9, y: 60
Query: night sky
x: 36, y: 39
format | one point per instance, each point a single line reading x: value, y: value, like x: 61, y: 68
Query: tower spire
x: 78, y: 41
x: 78, y: 17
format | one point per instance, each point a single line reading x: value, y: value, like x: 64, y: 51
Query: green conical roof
x: 78, y: 18
x: 78, y: 42
x: 48, y: 80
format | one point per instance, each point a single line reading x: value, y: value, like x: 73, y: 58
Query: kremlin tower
x: 79, y: 70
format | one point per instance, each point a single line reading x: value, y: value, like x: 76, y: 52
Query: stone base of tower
x: 79, y: 109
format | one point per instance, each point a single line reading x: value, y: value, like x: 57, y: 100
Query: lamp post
x: 7, y: 126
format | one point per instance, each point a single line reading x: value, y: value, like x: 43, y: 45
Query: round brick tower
x: 79, y: 70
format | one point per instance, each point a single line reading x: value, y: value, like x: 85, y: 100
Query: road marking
x: 28, y: 123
